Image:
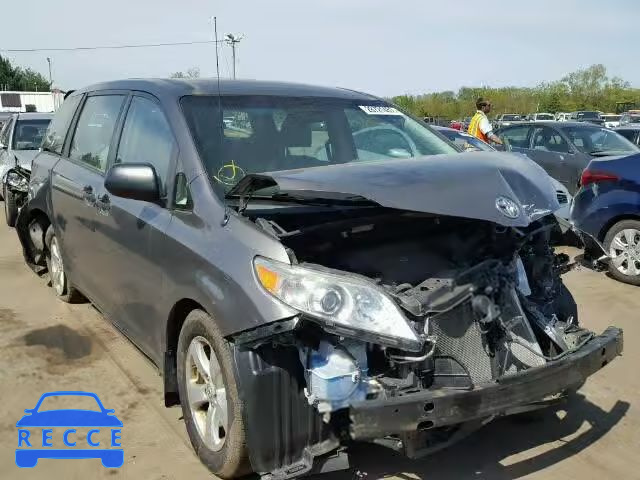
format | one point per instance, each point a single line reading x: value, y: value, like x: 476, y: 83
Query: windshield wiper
x: 313, y: 198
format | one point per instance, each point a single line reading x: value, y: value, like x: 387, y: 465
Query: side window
x: 147, y: 137
x: 517, y: 137
x: 94, y: 131
x: 57, y: 130
x: 548, y: 140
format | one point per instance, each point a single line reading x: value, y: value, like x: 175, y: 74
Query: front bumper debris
x: 426, y: 410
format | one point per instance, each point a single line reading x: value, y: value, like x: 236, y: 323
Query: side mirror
x: 136, y: 181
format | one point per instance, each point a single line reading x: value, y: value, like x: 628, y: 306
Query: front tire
x: 10, y: 208
x: 64, y: 289
x: 622, y: 244
x: 211, y: 405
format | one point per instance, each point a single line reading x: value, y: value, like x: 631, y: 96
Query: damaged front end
x: 413, y: 330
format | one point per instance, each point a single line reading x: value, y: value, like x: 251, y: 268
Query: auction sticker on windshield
x: 379, y: 110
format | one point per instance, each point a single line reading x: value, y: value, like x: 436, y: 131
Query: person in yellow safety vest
x: 480, y: 126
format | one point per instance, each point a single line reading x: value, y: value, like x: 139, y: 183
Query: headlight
x: 345, y: 305
x: 18, y: 182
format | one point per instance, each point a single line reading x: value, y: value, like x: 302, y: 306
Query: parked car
x: 540, y: 117
x: 628, y: 118
x: 468, y: 143
x: 607, y: 208
x: 564, y: 149
x: 466, y: 121
x: 631, y: 132
x: 587, y: 116
x: 436, y: 121
x: 293, y: 295
x: 562, y: 117
x: 19, y: 143
x: 456, y: 124
x: 611, y: 120
x: 506, y: 119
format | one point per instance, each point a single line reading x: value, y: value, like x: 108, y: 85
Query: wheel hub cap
x: 625, y: 252
x: 206, y: 392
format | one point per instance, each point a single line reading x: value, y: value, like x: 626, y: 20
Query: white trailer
x: 43, y: 102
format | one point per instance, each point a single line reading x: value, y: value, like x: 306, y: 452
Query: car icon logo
x: 104, y: 431
x: 507, y: 207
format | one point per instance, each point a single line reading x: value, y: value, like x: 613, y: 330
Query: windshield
x: 594, y: 140
x: 544, y: 116
x: 28, y: 134
x: 611, y: 118
x: 255, y: 134
x: 510, y: 118
x: 588, y: 115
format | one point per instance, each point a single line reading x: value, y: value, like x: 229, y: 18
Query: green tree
x: 588, y: 88
x: 17, y: 78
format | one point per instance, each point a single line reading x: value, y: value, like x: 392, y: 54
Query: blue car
x: 607, y: 209
x: 28, y: 455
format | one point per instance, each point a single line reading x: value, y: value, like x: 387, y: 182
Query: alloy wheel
x: 625, y: 252
x: 206, y: 392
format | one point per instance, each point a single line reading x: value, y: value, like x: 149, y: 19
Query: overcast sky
x: 383, y: 47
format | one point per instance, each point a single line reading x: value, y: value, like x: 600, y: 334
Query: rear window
x: 28, y: 134
x: 545, y: 116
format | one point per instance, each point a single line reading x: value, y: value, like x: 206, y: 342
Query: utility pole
x: 50, y: 78
x: 232, y: 40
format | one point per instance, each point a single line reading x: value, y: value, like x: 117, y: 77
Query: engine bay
x: 486, y: 301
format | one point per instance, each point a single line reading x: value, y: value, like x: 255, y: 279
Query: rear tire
x: 62, y: 286
x: 10, y: 208
x: 622, y: 244
x: 211, y: 405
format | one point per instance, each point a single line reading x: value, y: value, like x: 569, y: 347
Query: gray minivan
x: 307, y: 266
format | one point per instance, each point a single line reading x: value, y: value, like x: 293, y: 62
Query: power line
x: 107, y: 47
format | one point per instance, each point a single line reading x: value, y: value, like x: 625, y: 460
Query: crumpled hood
x: 469, y: 185
x: 25, y: 157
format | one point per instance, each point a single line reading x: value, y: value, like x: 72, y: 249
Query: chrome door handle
x: 103, y: 205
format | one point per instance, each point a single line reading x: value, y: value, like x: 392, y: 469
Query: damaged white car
x: 308, y: 267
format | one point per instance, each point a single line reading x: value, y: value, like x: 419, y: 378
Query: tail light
x: 592, y: 176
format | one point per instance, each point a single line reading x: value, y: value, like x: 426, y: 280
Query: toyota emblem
x: 507, y: 207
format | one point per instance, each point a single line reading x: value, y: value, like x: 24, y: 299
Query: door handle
x: 88, y: 196
x: 103, y: 205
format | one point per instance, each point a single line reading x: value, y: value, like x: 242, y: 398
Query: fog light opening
x: 425, y: 425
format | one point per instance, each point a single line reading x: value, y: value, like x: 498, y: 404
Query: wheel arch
x: 178, y: 314
x: 32, y: 240
x: 619, y: 218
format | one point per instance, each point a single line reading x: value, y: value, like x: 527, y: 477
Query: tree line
x: 586, y: 89
x: 21, y: 79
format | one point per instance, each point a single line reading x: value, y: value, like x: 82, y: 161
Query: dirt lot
x: 46, y: 345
